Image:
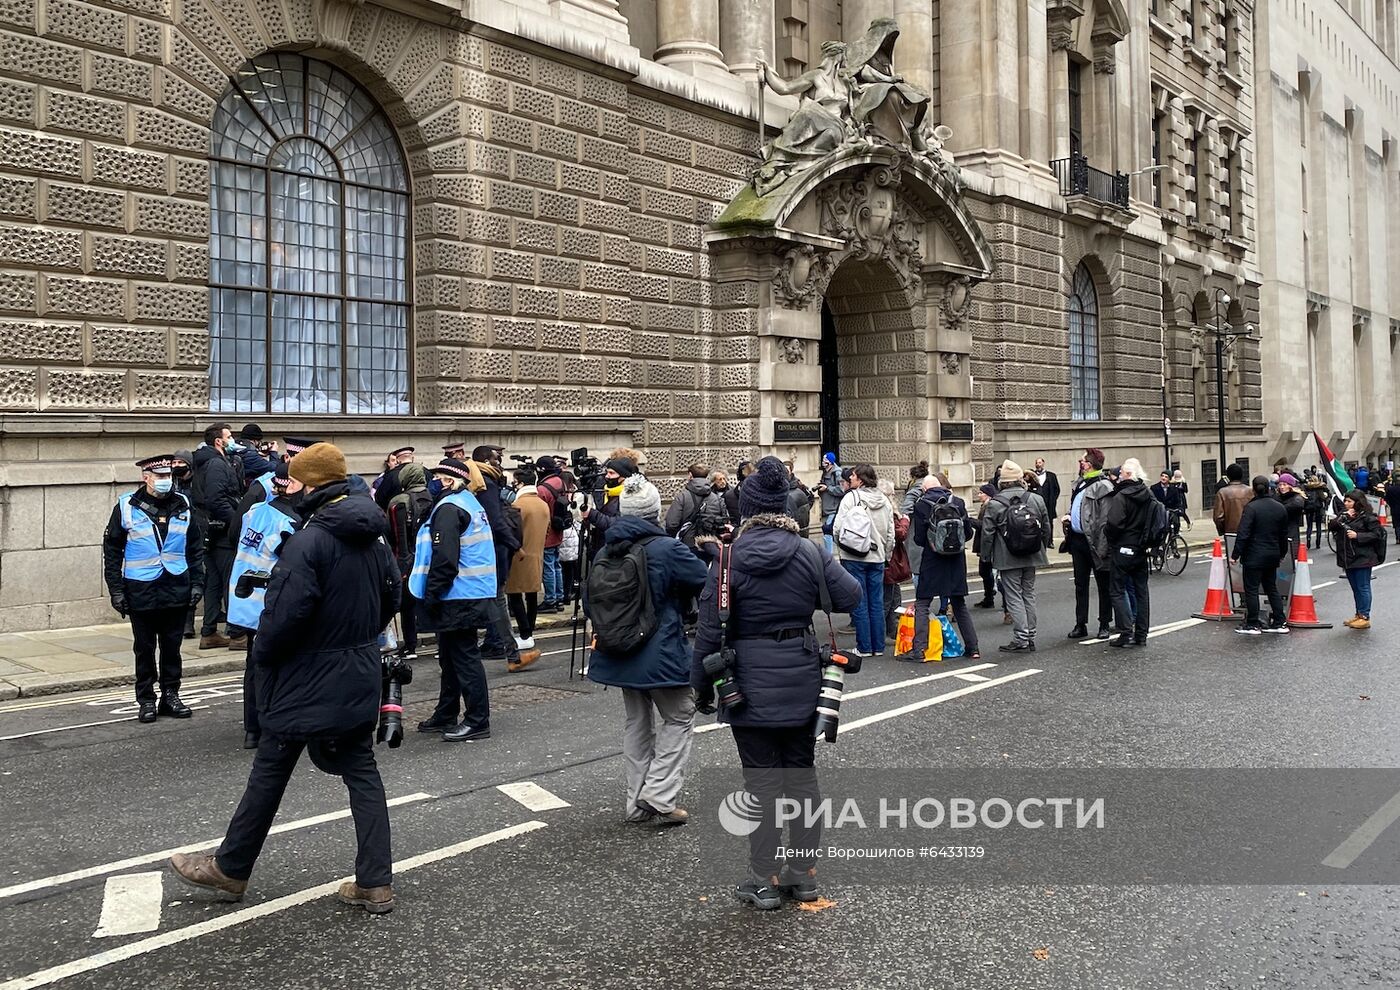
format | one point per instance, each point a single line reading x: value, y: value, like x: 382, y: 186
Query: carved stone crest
x: 952, y: 407
x: 869, y: 215
x: 957, y: 301
x: 794, y: 350
x: 790, y: 403
x: 802, y: 275
x: 952, y: 363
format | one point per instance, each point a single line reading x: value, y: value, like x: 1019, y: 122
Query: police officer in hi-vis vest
x: 265, y: 526
x: 454, y: 576
x: 153, y: 563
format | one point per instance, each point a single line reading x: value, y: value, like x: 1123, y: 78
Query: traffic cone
x: 1384, y: 516
x: 1302, y: 611
x: 1217, y: 606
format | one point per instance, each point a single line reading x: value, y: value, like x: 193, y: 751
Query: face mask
x: 163, y: 486
x: 182, y: 472
x: 232, y: 446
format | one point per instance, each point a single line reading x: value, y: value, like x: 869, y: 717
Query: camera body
x: 396, y: 673
x: 586, y: 470
x: 835, y: 667
x: 719, y: 669
x: 250, y: 581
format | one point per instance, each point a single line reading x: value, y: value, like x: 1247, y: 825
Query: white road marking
x: 83, y: 725
x: 105, y: 696
x: 878, y: 689
x: 1168, y: 627
x: 973, y: 678
x: 45, y: 977
x: 532, y: 796
x: 130, y: 905
x: 929, y: 702
x: 1358, y: 842
x: 156, y: 857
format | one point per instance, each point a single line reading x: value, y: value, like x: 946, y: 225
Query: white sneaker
x: 524, y: 644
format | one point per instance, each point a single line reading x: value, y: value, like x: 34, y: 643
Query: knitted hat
x: 1095, y: 458
x: 1011, y: 473
x: 1288, y: 479
x: 989, y: 490
x: 641, y: 499
x: 623, y: 467
x: 319, y: 465
x: 546, y: 467
x: 251, y: 432
x: 766, y: 490
x: 828, y: 458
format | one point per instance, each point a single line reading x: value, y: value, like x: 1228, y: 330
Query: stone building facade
x: 500, y: 219
x: 1329, y: 120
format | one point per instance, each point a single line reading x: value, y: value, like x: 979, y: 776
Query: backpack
x: 1020, y: 528
x: 418, y: 505
x: 617, y: 598
x: 560, y: 518
x: 1158, y: 525
x: 946, y: 534
x: 857, y: 533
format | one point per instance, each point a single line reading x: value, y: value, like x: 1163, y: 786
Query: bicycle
x: 1174, y: 553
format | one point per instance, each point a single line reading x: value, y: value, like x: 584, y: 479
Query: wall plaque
x: 955, y: 431
x: 797, y: 431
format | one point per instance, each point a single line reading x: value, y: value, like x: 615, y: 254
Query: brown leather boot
x: 527, y: 657
x: 213, y: 642
x: 375, y: 900
x: 202, y: 870
x: 239, y: 643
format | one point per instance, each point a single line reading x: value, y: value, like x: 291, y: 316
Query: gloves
x: 196, y: 596
x: 705, y: 700
x: 119, y: 604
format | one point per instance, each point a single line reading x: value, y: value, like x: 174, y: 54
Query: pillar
x: 687, y: 33
x: 1061, y: 33
x: 913, y: 55
x: 746, y: 33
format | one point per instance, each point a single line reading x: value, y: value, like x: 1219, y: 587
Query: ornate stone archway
x: 890, y: 221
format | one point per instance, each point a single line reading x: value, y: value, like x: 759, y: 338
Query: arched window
x: 308, y: 309
x: 1083, y: 347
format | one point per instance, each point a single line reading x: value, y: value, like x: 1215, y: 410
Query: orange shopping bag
x: 904, y: 640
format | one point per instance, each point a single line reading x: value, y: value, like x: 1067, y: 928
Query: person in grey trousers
x: 1017, y: 572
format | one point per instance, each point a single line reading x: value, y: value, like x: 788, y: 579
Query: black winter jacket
x: 217, y: 491
x: 507, y: 541
x: 168, y: 590
x: 799, y: 504
x: 1296, y: 506
x: 1365, y: 550
x: 697, y: 510
x: 774, y: 591
x: 939, y: 575
x: 333, y: 590
x: 1263, y: 537
x: 1128, y: 515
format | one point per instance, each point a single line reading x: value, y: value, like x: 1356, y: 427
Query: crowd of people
x: 703, y: 605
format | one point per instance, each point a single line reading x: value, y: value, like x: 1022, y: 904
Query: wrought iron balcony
x: 1079, y: 178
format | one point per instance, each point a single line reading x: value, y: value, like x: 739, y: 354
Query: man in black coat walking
x: 334, y: 589
x: 1261, y: 542
x: 1129, y: 515
x: 1049, y: 487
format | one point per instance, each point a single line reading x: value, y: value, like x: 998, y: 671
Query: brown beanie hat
x: 318, y: 465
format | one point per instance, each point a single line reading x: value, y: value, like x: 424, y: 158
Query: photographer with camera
x: 606, y: 501
x: 636, y: 588
x: 776, y: 580
x: 333, y: 590
x: 266, y: 525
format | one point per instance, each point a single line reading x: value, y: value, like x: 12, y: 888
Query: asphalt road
x: 497, y: 894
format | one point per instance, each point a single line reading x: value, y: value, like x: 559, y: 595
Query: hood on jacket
x: 766, y: 543
x: 205, y: 454
x: 1134, y: 491
x: 352, y: 518
x: 412, y: 475
x: 935, y: 494
x: 699, y: 487
x: 871, y: 498
x: 626, y: 528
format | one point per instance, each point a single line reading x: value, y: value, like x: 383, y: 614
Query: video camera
x: 250, y: 581
x: 522, y: 459
x: 588, y: 473
x: 396, y: 673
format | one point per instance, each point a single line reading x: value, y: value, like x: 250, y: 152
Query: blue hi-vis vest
x: 147, y: 556
x: 265, y: 526
x: 266, y: 482
x: 476, y: 555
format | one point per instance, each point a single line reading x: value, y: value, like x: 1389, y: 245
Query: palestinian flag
x: 1337, y: 478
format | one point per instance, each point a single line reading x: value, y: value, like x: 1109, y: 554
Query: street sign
x: 798, y: 431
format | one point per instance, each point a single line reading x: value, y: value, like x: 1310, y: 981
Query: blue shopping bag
x: 952, y: 642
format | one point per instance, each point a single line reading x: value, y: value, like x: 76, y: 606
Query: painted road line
x: 155, y: 857
x: 532, y: 796
x: 972, y: 678
x: 83, y: 725
x: 929, y: 702
x: 45, y: 977
x: 1360, y: 840
x: 878, y: 689
x: 1324, y: 584
x: 130, y: 905
x: 1168, y: 627
x: 99, y: 697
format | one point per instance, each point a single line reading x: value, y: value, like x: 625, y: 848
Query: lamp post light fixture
x: 1224, y: 339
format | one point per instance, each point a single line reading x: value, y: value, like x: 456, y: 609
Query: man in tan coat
x: 526, y: 578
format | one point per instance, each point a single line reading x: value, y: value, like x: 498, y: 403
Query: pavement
x: 53, y: 661
x: 514, y: 869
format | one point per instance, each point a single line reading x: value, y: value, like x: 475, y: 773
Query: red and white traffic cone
x: 1302, y: 610
x: 1384, y: 516
x: 1217, y: 607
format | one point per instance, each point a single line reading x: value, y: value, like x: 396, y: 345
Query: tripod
x: 585, y: 555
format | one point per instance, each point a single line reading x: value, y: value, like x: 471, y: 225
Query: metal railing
x: 1079, y: 178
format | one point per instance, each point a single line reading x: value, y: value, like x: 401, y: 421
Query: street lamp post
x: 1222, y: 300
